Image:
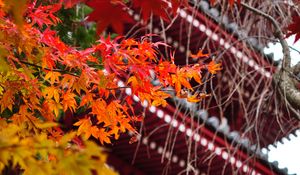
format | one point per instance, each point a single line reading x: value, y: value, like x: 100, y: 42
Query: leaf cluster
x: 45, y: 80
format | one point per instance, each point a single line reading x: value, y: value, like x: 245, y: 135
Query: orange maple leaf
x: 69, y: 101
x: 81, y: 84
x: 7, y: 100
x: 159, y: 98
x: 125, y: 125
x: 86, y: 99
x: 53, y: 106
x: 199, y: 55
x: 193, y: 98
x: 85, y: 125
x: 103, y: 136
x: 197, y: 97
x: 50, y: 92
x: 212, y: 67
x: 53, y: 77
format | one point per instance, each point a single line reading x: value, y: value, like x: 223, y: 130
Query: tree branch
x: 55, y: 70
x: 287, y: 83
x: 278, y: 34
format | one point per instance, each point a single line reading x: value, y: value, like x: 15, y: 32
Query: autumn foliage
x: 43, y: 80
x: 294, y: 28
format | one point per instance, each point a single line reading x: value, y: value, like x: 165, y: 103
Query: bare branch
x: 278, y: 34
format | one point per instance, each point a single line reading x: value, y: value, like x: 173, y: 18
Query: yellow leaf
x: 193, y: 99
x: 158, y: 102
x: 67, y: 137
x: 4, y: 67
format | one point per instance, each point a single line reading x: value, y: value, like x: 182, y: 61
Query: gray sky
x: 276, y: 49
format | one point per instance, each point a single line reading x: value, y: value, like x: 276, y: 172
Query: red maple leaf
x: 157, y: 7
x: 109, y: 13
x: 294, y: 28
x: 44, y: 15
x: 177, y: 3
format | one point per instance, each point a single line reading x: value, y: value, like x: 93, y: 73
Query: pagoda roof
x: 168, y: 134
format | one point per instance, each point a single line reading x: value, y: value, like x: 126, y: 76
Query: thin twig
x: 55, y: 70
x: 278, y: 34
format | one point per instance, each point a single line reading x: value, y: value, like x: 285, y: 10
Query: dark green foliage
x: 75, y: 30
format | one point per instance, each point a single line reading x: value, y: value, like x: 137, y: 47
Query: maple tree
x: 44, y: 80
x: 46, y: 77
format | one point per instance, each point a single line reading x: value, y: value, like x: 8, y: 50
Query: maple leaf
x: 52, y: 76
x: 196, y: 75
x: 139, y: 84
x: 164, y: 69
x: 44, y: 15
x: 147, y: 51
x: 80, y: 84
x: 125, y: 125
x: 69, y: 101
x: 102, y: 111
x: 49, y: 38
x: 182, y: 78
x: 199, y: 55
x: 133, y: 81
x: 67, y: 81
x: 193, y: 98
x: 100, y: 134
x: 108, y: 13
x: 48, y: 61
x: 86, y: 99
x: 50, y: 92
x: 159, y: 98
x: 115, y: 130
x: 103, y: 136
x: 212, y: 67
x: 85, y: 126
x: 294, y: 28
x: 7, y: 100
x: 157, y: 7
x: 177, y: 3
x: 197, y: 97
x: 53, y: 106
